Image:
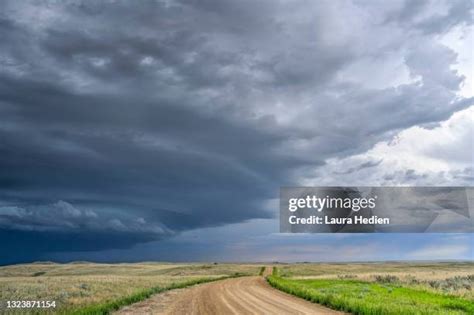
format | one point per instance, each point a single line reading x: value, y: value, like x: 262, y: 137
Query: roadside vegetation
x: 108, y: 307
x: 275, y: 272
x: 87, y: 288
x: 455, y: 278
x: 441, y: 288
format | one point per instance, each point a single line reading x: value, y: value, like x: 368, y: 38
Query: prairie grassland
x: 325, y: 269
x: 455, y: 278
x: 368, y: 298
x: 77, y: 285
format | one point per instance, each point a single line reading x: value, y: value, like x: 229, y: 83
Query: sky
x: 163, y: 130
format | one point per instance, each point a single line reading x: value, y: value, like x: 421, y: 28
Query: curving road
x: 246, y: 295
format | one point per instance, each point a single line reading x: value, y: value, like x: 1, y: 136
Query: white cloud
x: 417, y: 155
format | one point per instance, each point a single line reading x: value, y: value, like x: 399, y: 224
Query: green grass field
x: 386, y: 295
x: 454, y: 278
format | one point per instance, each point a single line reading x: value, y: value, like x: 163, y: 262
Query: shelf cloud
x: 130, y: 122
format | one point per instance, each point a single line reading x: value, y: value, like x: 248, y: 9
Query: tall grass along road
x: 362, y: 297
x: 246, y: 295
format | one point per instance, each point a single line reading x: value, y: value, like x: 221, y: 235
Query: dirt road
x: 246, y: 295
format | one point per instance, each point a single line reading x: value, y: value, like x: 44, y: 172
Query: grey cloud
x: 62, y: 216
x: 412, y: 177
x: 458, y: 12
x: 191, y: 114
x: 362, y: 166
x: 432, y: 68
x: 445, y: 15
x: 63, y: 227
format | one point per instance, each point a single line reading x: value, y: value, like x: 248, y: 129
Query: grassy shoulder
x: 454, y: 278
x: 361, y: 297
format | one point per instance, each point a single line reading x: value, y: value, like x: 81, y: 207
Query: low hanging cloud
x: 62, y: 216
x: 62, y: 227
x: 183, y: 114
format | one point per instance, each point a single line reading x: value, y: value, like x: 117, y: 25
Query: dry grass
x: 323, y: 269
x: 79, y: 284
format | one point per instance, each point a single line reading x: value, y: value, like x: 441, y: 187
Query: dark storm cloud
x: 160, y: 117
x: 61, y: 226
